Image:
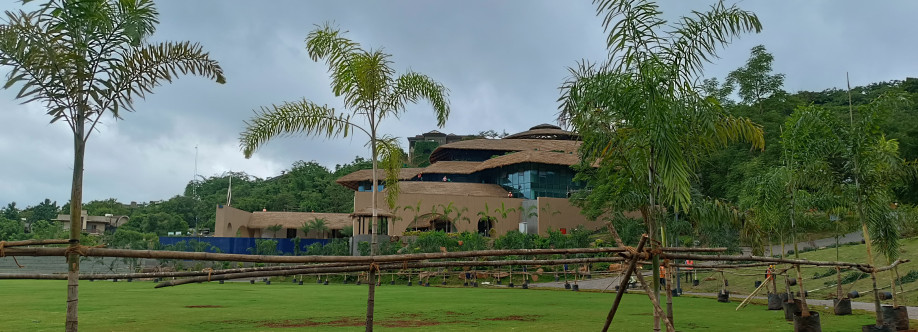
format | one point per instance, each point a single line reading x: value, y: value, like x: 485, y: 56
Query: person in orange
x: 662, y: 275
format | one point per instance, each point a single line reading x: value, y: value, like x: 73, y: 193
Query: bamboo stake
x: 656, y: 304
x: 859, y: 266
x: 8, y: 244
x: 206, y: 256
x: 742, y: 304
x: 624, y: 283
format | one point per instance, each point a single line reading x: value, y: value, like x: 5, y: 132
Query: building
x: 520, y: 182
x: 491, y: 186
x: 233, y: 222
x: 435, y: 139
x: 94, y: 224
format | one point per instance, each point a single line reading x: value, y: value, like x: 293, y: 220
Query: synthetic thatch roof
x: 452, y: 167
x: 506, y: 145
x: 296, y: 219
x: 545, y: 131
x: 368, y: 212
x: 352, y: 180
x: 541, y: 157
x: 452, y: 188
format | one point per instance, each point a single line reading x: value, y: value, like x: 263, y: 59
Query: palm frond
x: 696, y: 40
x: 145, y: 67
x: 633, y: 36
x: 391, y: 157
x: 412, y: 87
x: 300, y: 117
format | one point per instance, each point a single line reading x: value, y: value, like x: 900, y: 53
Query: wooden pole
x: 656, y: 304
x: 742, y: 304
x: 624, y: 282
x: 8, y: 244
x: 207, y: 256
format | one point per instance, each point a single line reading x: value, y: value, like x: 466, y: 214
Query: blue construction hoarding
x: 240, y: 245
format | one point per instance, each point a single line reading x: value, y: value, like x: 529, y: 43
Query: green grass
x: 847, y: 253
x: 136, y: 306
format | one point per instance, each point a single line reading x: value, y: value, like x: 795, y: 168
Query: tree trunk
x: 76, y: 225
x: 374, y: 244
x: 838, y: 283
x: 892, y: 284
x: 873, y: 274
x: 371, y: 298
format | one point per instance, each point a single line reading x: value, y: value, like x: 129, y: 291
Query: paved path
x: 847, y: 238
x: 602, y: 283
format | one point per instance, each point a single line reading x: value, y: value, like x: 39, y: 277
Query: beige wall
x: 565, y: 215
x: 230, y: 220
x: 558, y: 213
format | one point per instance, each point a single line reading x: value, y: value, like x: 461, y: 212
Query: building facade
x: 94, y: 224
x: 490, y: 186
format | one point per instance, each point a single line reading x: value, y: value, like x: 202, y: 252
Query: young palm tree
x: 320, y: 225
x: 306, y: 228
x: 372, y: 92
x: 274, y: 229
x: 809, y: 139
x: 82, y: 59
x: 875, y: 166
x: 640, y: 114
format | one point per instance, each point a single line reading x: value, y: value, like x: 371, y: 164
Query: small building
x: 94, y: 224
x: 233, y: 222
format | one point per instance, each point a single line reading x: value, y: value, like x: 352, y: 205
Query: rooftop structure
x: 94, y: 224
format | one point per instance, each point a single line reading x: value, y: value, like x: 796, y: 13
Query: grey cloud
x: 501, y: 60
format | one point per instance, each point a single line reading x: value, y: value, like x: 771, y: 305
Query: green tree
x: 640, y: 114
x: 11, y: 212
x: 11, y: 230
x: 274, y: 229
x: 306, y: 227
x: 160, y: 223
x: 875, y: 166
x: 44, y: 229
x: 371, y: 91
x: 83, y: 58
x: 320, y: 225
x: 44, y: 210
x: 107, y: 206
x: 755, y: 79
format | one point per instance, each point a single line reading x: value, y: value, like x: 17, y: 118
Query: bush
x: 907, y: 278
x: 828, y: 272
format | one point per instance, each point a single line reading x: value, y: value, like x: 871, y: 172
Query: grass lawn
x: 847, y: 253
x: 107, y: 306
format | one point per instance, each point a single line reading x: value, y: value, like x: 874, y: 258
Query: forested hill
x: 306, y: 186
x: 722, y: 174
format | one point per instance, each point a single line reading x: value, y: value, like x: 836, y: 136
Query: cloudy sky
x: 501, y: 60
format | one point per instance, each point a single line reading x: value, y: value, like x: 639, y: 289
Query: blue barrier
x: 240, y: 245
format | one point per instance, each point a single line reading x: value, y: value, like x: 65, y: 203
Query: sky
x: 502, y: 62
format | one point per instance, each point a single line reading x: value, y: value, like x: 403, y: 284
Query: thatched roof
x: 352, y: 180
x: 541, y: 157
x: 545, y: 131
x: 451, y: 188
x: 368, y: 212
x: 506, y: 145
x: 296, y: 219
x: 452, y: 167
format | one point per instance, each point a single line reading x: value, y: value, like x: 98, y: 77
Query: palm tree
x: 372, y: 92
x: 488, y: 218
x: 640, y: 115
x: 809, y: 139
x: 82, y: 59
x: 274, y: 229
x: 320, y: 225
x: 306, y: 227
x: 875, y: 166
